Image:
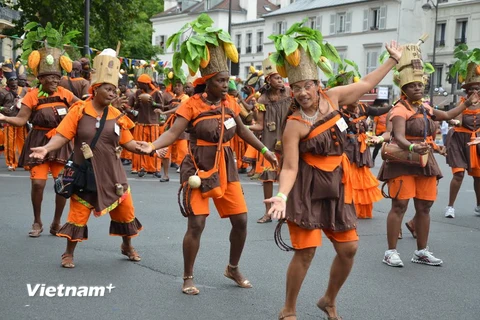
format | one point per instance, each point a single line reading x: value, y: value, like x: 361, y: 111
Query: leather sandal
x: 191, y: 291
x: 131, y: 253
x: 323, y: 307
x: 54, y: 228
x: 67, y: 261
x: 264, y: 219
x: 282, y: 316
x: 241, y: 283
x: 37, y: 229
x: 411, y: 229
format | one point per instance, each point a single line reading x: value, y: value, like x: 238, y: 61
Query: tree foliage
x: 111, y: 21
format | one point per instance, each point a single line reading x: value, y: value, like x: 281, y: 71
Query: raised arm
x: 20, y: 120
x: 452, y: 113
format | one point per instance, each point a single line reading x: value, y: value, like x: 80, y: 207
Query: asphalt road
x: 150, y: 289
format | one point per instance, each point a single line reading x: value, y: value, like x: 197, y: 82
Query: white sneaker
x: 425, y: 257
x: 477, y: 211
x: 450, y: 212
x: 392, y: 258
x: 178, y: 170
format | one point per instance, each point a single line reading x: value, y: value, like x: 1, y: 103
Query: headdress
x: 106, y: 68
x: 299, y: 51
x: 172, y: 77
x: 344, y: 76
x: 9, y: 71
x: 467, y: 65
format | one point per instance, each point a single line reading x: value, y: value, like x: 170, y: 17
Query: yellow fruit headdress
x: 253, y: 76
x: 344, y: 76
x: 299, y: 51
x: 172, y: 77
x: 106, y: 68
x: 205, y: 48
x: 467, y: 65
x: 43, y: 49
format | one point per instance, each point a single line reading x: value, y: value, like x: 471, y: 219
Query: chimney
x: 251, y: 7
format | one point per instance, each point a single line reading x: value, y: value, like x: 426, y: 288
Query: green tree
x: 111, y: 21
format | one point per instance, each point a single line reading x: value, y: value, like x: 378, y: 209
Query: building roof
x: 303, y: 5
x: 200, y: 7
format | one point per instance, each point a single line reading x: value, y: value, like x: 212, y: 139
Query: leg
x: 339, y: 271
x: 67, y: 256
x: 375, y: 151
x: 191, y: 244
x: 296, y: 272
x: 476, y: 187
x: 422, y: 221
x: 267, y: 193
x: 455, y: 185
x: 238, y: 234
x: 394, y: 221
x: 38, y: 186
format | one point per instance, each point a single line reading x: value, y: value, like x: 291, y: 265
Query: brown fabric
x: 317, y: 199
x: 8, y: 100
x: 458, y: 152
x: 415, y: 127
x: 80, y: 86
x: 357, y: 127
x: 125, y: 228
x: 146, y: 114
x: 73, y: 232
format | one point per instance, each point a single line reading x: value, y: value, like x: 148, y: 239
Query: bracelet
x: 151, y: 145
x: 1, y: 108
x: 281, y: 195
x: 383, y: 139
x: 264, y: 150
x: 410, y: 148
x: 394, y: 59
x: 247, y: 126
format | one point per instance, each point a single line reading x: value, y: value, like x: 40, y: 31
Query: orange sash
x: 51, y: 132
x: 474, y: 163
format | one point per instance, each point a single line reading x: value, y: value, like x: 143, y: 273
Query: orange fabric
x: 31, y: 99
x: 362, y: 138
x: 145, y: 78
x: 473, y: 173
x: 474, y: 162
x: 14, y: 141
x: 79, y: 214
x: 321, y: 128
x: 364, y: 211
x: 399, y: 110
x: 181, y: 147
x: 365, y: 190
x: 149, y: 163
x: 2, y: 139
x: 191, y: 108
x: 410, y: 186
x: 69, y: 124
x: 381, y: 124
x: 203, y: 80
x: 329, y: 163
x: 239, y: 147
x: 305, y: 238
x: 40, y: 172
x: 231, y: 203
x: 455, y: 170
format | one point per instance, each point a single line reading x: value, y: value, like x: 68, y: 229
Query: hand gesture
x: 38, y: 153
x: 158, y: 111
x: 118, y: 102
x: 270, y: 157
x: 474, y: 98
x: 144, y: 147
x: 161, y: 153
x: 394, y: 50
x: 421, y: 148
x: 474, y: 142
x: 2, y: 117
x: 375, y: 139
x: 277, y: 209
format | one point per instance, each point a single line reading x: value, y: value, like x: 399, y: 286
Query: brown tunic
x: 317, y: 199
x: 357, y: 125
x: 415, y: 127
x: 458, y: 152
x: 8, y: 100
x: 146, y: 114
x: 78, y: 86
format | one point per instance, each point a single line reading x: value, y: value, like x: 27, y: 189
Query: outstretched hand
x: 144, y: 147
x: 277, y: 209
x: 38, y: 153
x: 474, y: 142
x: 161, y: 153
x: 375, y: 139
x: 118, y: 102
x: 270, y: 157
x: 394, y: 50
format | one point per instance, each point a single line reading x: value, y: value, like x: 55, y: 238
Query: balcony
x: 460, y: 41
x: 259, y: 48
x: 7, y: 16
x: 440, y: 43
x: 248, y: 50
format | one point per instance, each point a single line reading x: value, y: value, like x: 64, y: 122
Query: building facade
x: 7, y: 45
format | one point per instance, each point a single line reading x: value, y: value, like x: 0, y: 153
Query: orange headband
x: 145, y: 78
x: 204, y: 79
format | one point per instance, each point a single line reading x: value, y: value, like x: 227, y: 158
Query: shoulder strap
x: 72, y: 88
x: 99, y: 130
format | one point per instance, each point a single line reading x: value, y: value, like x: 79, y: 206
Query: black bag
x: 75, y: 177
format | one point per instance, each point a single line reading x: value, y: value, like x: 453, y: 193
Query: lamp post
x: 86, y: 46
x: 426, y: 7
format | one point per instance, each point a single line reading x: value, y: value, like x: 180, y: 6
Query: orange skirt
x: 365, y: 190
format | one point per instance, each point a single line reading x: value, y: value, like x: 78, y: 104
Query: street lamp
x: 426, y: 7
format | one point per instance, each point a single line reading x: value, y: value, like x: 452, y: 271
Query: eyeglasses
x: 308, y: 86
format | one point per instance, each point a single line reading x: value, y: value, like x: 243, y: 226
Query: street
x: 150, y: 289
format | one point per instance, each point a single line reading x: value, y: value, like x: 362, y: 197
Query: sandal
x: 324, y: 307
x: 36, y: 230
x: 411, y: 229
x: 400, y: 234
x: 54, y: 228
x: 164, y: 179
x: 264, y: 219
x: 241, y: 283
x: 131, y: 253
x: 191, y: 291
x: 282, y: 316
x: 67, y: 261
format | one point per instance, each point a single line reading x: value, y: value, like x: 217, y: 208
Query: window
x: 440, y: 41
x: 248, y: 44
x: 238, y: 42
x: 437, y: 77
x: 319, y: 23
x: 280, y: 27
x: 341, y: 23
x: 259, y: 41
x: 258, y: 67
x: 461, y: 32
x: 160, y: 41
x: 371, y: 61
x: 374, y: 19
x: 312, y: 22
x: 247, y: 71
x: 342, y: 55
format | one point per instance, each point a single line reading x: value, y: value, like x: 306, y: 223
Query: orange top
x: 194, y: 106
x: 68, y: 126
x: 31, y: 99
x: 381, y: 124
x: 400, y: 110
